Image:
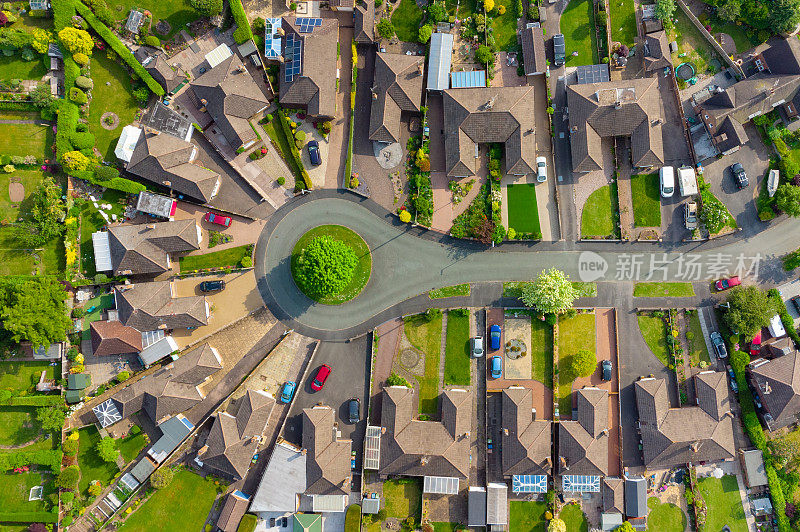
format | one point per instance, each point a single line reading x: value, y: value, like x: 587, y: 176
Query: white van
x: 667, y: 179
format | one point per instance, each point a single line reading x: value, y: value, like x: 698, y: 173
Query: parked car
x: 497, y: 367
x: 354, y: 410
x: 288, y: 391
x: 796, y: 302
x: 719, y: 345
x: 739, y: 175
x: 477, y: 347
x: 666, y: 179
x: 606, y: 370
x: 559, y: 49
x: 214, y: 218
x: 541, y: 169
x: 690, y: 215
x: 734, y: 384
x: 313, y: 153
x: 724, y: 284
x: 319, y: 379
x: 217, y: 285
x: 494, y: 336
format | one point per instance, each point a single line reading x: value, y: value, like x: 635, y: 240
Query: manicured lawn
x: 523, y: 214
x: 92, y: 221
x: 14, y: 260
x: 14, y: 67
x: 351, y: 238
x: 450, y: 291
x: 623, y: 21
x: 646, y: 199
x: 663, y: 290
x: 456, y: 362
x: 101, y: 303
x: 527, y: 516
x: 172, y: 509
x: 130, y: 446
x: 30, y: 179
x: 574, y: 518
x: 26, y: 139
x: 664, y: 517
x: 504, y: 26
x: 541, y: 350
x: 115, y: 97
x: 444, y: 527
x: 599, y: 216
x: 403, y: 498
x: 407, y: 18
x: 18, y: 425
x: 723, y: 503
x: 215, y: 259
x: 15, y: 489
x: 177, y: 12
x: 43, y: 444
x: 743, y: 36
x: 426, y: 336
x: 92, y: 466
x: 698, y: 352
x: 655, y: 335
x: 577, y: 25
x: 574, y: 334
x: 22, y: 376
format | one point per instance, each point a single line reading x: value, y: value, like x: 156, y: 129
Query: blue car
x: 497, y: 367
x: 288, y: 391
x: 494, y: 336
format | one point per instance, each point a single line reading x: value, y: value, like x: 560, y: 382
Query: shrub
x: 396, y: 380
x: 8, y: 168
x: 247, y: 262
x: 385, y: 28
x: 405, y: 216
x: 105, y: 173
x: 281, y: 180
x: 242, y: 33
x: 70, y: 447
x: 207, y: 8
x: 152, y: 40
x: 95, y: 489
x: 75, y: 160
x: 107, y: 449
x: 68, y: 478
x: 433, y: 313
x: 76, y: 40
x: 425, y: 33
x: 81, y: 58
x: 78, y: 96
x: 84, y: 83
x: 162, y: 477
x: 136, y: 429
x: 82, y: 140
x: 122, y: 376
x: 583, y: 363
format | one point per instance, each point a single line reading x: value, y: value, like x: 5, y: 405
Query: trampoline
x: 685, y: 71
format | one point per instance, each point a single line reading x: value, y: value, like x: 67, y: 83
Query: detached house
x: 777, y: 383
x: 396, y: 89
x: 583, y: 443
x: 152, y: 306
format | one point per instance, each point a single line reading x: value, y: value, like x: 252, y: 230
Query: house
x: 151, y: 306
x: 525, y: 446
x: 114, y: 338
x: 364, y: 23
x: 413, y: 448
x: 602, y: 111
x: 234, y: 439
x: 328, y: 473
x: 674, y: 437
x: 487, y: 115
x: 232, y: 512
x: 396, y: 89
x: 170, y: 162
x: 755, y: 476
x: 309, y: 69
x: 146, y: 248
x: 155, y: 62
x: 583, y: 443
x: 228, y: 93
x: 655, y: 51
x: 439, y: 61
x: 533, y: 50
x: 777, y: 383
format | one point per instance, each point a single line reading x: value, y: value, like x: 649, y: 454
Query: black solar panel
x: 307, y: 25
x: 293, y: 55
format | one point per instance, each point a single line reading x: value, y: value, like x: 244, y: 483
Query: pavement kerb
x: 619, y: 409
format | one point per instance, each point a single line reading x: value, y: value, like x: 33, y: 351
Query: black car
x: 559, y: 49
x: 313, y: 153
x: 734, y: 384
x: 212, y: 286
x: 796, y: 302
x: 739, y: 175
x: 354, y: 410
x: 719, y: 345
x: 606, y: 370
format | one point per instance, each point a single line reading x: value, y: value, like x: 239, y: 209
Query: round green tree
x: 583, y: 363
x: 325, y: 267
x: 551, y: 292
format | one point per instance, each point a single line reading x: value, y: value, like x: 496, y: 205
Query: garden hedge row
x: 37, y: 400
x: 243, y: 32
x: 287, y: 130
x: 18, y: 106
x: 29, y: 517
x: 15, y: 459
x: 116, y: 45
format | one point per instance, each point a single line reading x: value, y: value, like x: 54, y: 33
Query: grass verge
x: 663, y: 290
x: 450, y: 291
x: 456, y: 362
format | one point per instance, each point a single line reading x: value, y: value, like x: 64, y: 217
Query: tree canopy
x: 665, y: 9
x: 385, y: 28
x: 45, y: 215
x: 551, y: 292
x: 107, y: 449
x: 583, y: 363
x: 33, y: 309
x: 51, y: 418
x: 484, y: 54
x: 161, y: 478
x: 556, y: 525
x: 750, y: 310
x: 785, y: 15
x: 787, y: 199
x: 76, y: 41
x: 207, y: 8
x: 325, y: 266
x: 425, y: 33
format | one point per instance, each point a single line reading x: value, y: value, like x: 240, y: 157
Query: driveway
x: 242, y: 230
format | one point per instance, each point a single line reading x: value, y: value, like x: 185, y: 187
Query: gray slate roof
x: 753, y: 465
x: 655, y: 49
x: 328, y: 458
x: 583, y: 444
x: 364, y: 23
x: 613, y: 490
x: 636, y: 497
x: 525, y: 443
x: 533, y: 53
x: 143, y: 248
x: 397, y: 87
x: 778, y: 385
x: 151, y: 306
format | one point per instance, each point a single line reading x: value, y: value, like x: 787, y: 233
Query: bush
x: 325, y: 267
x: 107, y: 449
x: 247, y: 262
x: 247, y: 524
x: 433, y: 313
x: 81, y: 58
x: 122, y: 376
x: 78, y: 96
x: 162, y: 477
x: 95, y: 489
x: 136, y: 429
x: 82, y: 140
x: 281, y: 180
x: 242, y: 33
x: 68, y: 478
x: 396, y: 380
x: 385, y: 28
x: 70, y: 447
x: 84, y: 83
x: 152, y: 40
x: 207, y: 8
x: 105, y: 173
x: 47, y: 458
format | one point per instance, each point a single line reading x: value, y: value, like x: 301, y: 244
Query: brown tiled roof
x: 526, y: 443
x: 656, y: 52
x: 173, y: 388
x: 485, y: 115
x: 628, y: 108
x: 778, y: 384
x: 327, y: 458
x: 231, y: 97
x: 315, y: 87
x: 397, y: 87
x: 533, y: 54
x: 364, y: 23
x: 232, y: 513
x: 155, y: 62
x: 143, y: 248
x: 114, y: 338
x: 673, y: 437
x: 425, y: 448
x: 613, y: 492
x: 233, y: 440
x: 151, y: 306
x: 583, y: 444
x: 169, y: 161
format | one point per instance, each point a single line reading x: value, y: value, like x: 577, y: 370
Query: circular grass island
x: 331, y: 264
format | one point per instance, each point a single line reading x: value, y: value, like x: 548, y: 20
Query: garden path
x: 21, y: 445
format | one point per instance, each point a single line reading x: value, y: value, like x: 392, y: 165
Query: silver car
x: 477, y: 347
x: 541, y: 169
x: 690, y: 215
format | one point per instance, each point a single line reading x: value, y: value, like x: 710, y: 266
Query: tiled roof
x: 114, y: 338
x: 613, y: 491
x: 232, y: 512
x: 533, y: 53
x: 525, y: 443
x: 656, y: 54
x: 143, y: 248
x: 151, y: 306
x: 155, y: 62
x: 397, y: 87
x: 778, y: 386
x: 583, y: 444
x: 364, y: 23
x: 328, y: 458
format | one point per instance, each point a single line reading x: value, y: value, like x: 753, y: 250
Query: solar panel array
x: 581, y: 483
x: 592, y: 74
x: 272, y: 41
x: 293, y: 55
x: 372, y: 448
x: 307, y: 25
x: 440, y: 485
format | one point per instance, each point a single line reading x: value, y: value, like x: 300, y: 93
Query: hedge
x: 116, y: 45
x: 29, y: 517
x: 248, y: 523
x: 293, y: 148
x: 13, y: 460
x: 18, y: 106
x: 243, y: 32
x: 37, y: 400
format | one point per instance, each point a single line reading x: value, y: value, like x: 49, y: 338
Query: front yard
x: 698, y: 352
x: 723, y: 503
x: 646, y: 200
x: 574, y: 334
x: 578, y: 34
x: 600, y: 216
x: 523, y: 213
x: 541, y: 350
x: 426, y: 336
x: 231, y: 257
x: 655, y: 335
x: 112, y: 92
x: 457, y: 348
x: 528, y: 516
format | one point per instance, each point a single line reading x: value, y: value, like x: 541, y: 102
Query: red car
x: 724, y: 284
x: 217, y: 219
x: 321, y: 377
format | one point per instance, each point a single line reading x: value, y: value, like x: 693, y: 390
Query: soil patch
x: 16, y: 192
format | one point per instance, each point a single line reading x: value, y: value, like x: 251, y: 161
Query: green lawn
x: 691, y: 45
x: 351, y: 238
x: 115, y: 97
x: 22, y: 376
x: 574, y: 518
x: 743, y: 36
x: 456, y: 362
x: 172, y: 509
x: 30, y: 179
x: 26, y: 139
x: 599, y: 217
x: 14, y: 67
x: 403, y: 498
x: 407, y: 18
x: 655, y: 335
x: 574, y: 334
x: 444, y: 527
x: 577, y: 25
x: 646, y: 199
x: 527, y: 516
x: 15, y: 260
x: 665, y: 517
x: 723, y: 502
x: 450, y: 291
x: 426, y: 336
x: 698, y: 352
x: 92, y: 466
x: 43, y: 444
x: 541, y: 350
x: 663, y: 290
x: 15, y: 489
x: 504, y: 27
x: 275, y: 133
x: 92, y: 221
x: 130, y: 446
x: 523, y: 213
x: 177, y: 12
x: 623, y: 21
x: 215, y: 259
x: 101, y: 303
x: 18, y: 425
